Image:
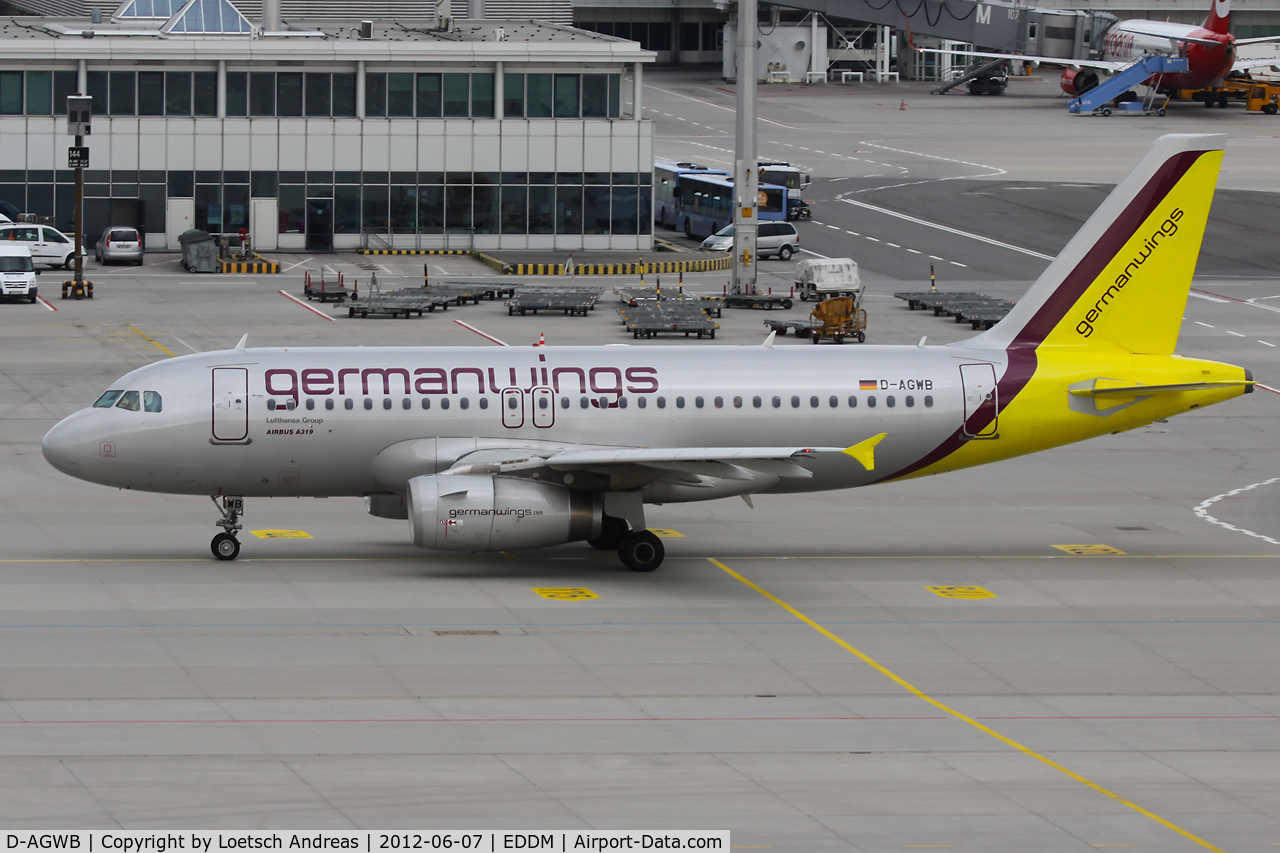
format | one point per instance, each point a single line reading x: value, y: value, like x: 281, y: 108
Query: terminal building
x: 412, y: 130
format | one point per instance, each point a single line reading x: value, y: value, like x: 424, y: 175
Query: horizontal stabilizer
x: 1151, y: 390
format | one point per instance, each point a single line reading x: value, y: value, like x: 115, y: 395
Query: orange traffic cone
x: 542, y: 340
x: 904, y: 105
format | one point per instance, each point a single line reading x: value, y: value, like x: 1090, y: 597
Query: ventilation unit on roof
x: 366, y: 29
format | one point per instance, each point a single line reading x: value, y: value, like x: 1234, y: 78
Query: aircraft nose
x: 62, y: 447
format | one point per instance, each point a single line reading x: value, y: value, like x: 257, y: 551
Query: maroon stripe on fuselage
x: 1021, y: 352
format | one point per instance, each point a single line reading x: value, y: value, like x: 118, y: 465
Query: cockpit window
x: 107, y: 400
x: 128, y: 400
x: 151, y: 401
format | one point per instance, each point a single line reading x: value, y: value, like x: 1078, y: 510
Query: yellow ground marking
x: 568, y: 593
x: 664, y: 533
x: 961, y: 591
x: 947, y: 709
x: 281, y: 534
x: 1091, y: 550
x: 152, y: 340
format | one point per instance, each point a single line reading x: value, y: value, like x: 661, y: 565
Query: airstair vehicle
x: 1099, y: 98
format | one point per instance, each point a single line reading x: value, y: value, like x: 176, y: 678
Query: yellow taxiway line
x: 152, y: 340
x: 920, y: 694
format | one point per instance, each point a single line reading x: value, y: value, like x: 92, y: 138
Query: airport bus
x: 700, y: 203
x: 666, y: 186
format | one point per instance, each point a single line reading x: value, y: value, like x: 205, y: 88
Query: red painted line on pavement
x: 305, y: 305
x: 45, y: 303
x: 480, y: 333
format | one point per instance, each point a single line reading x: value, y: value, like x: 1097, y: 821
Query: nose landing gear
x: 225, y: 545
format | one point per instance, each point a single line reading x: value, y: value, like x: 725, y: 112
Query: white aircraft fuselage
x: 497, y: 448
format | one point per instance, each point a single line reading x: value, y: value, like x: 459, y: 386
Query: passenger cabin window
x: 151, y: 401
x: 107, y: 400
x: 129, y: 401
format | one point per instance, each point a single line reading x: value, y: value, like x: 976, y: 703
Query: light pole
x: 79, y: 116
x: 746, y: 180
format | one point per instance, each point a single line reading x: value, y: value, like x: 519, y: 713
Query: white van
x: 772, y: 238
x: 48, y: 245
x: 17, y: 272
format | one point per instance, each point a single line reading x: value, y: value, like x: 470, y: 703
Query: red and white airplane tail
x: 1219, y: 20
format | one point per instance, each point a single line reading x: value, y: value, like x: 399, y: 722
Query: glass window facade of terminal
x: 386, y: 202
x: 261, y: 94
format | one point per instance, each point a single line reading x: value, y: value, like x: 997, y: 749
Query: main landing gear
x: 225, y: 545
x: 639, y: 550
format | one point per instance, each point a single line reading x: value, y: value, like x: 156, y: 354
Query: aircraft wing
x: 1190, y: 39
x: 1258, y: 40
x: 731, y: 463
x: 1104, y: 64
x: 1246, y: 64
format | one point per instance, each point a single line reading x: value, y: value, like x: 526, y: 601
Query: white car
x: 48, y: 245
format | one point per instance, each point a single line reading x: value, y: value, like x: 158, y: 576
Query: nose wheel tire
x: 225, y: 546
x: 642, y: 551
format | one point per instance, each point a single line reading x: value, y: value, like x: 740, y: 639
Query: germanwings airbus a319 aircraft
x: 486, y: 449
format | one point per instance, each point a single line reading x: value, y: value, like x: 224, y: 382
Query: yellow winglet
x: 864, y: 451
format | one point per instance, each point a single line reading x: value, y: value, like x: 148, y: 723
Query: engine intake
x: 479, y: 512
x: 1077, y: 81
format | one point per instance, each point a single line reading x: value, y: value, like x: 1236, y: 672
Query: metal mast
x: 746, y: 183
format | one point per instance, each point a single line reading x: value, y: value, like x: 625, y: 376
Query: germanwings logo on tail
x: 1168, y: 228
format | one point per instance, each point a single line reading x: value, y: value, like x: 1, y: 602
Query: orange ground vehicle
x: 836, y: 319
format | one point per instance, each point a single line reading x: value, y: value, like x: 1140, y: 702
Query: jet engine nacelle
x: 387, y: 506
x: 1077, y: 81
x: 480, y: 512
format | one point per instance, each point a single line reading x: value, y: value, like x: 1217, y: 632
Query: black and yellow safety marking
x: 251, y: 267
x: 281, y: 534
x: 964, y: 718
x: 567, y: 593
x: 1091, y: 550
x: 666, y: 533
x: 70, y: 290
x: 413, y: 251
x: 656, y: 267
x: 961, y: 591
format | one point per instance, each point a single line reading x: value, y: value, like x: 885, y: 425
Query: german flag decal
x: 868, y: 384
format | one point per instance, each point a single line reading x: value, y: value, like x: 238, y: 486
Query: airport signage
x: 78, y: 157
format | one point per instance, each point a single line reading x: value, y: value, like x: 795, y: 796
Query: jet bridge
x: 992, y: 24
